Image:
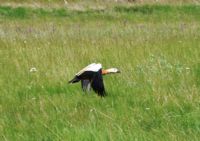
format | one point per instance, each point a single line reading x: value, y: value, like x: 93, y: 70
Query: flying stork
x: 91, y: 76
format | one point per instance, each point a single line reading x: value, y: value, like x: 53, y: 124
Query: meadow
x: 155, y: 97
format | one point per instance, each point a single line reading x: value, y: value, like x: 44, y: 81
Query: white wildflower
x: 93, y: 109
x: 65, y: 2
x: 33, y: 69
x: 187, y: 70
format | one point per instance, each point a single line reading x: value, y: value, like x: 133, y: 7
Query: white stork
x: 91, y: 76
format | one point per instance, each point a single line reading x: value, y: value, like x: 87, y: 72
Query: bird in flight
x: 91, y: 76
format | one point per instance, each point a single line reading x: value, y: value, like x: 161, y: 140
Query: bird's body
x: 91, y: 76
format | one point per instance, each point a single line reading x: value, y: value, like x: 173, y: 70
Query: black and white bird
x: 91, y: 76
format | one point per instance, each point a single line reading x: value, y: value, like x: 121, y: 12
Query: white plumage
x: 92, y: 67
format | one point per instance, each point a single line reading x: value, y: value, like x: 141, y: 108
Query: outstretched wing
x: 97, y: 84
x: 85, y: 69
x: 86, y: 73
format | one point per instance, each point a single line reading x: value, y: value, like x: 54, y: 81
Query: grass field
x: 156, y: 96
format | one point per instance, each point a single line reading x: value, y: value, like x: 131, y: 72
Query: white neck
x: 112, y: 70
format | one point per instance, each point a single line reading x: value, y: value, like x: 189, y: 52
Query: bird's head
x: 111, y: 70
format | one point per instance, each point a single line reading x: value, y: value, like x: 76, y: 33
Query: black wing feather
x: 97, y: 84
x: 84, y: 76
x: 74, y: 80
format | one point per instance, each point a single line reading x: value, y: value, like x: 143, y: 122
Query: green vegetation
x: 99, y: 1
x: 145, y: 12
x: 156, y: 97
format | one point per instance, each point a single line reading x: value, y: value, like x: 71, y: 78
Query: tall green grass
x: 102, y: 1
x: 156, y: 96
x: 143, y: 12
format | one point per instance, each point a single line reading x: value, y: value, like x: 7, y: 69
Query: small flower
x: 33, y: 69
x: 65, y: 2
x: 93, y: 109
x: 147, y: 108
x: 187, y: 68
